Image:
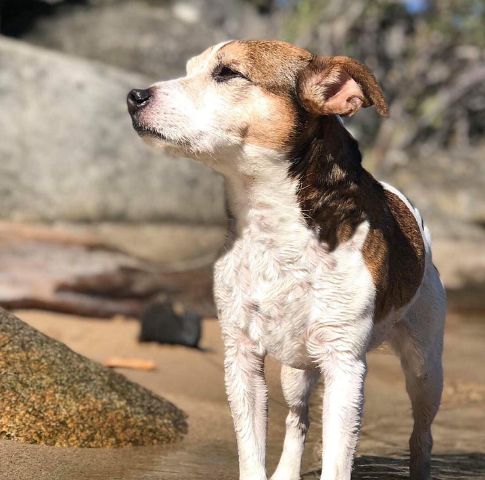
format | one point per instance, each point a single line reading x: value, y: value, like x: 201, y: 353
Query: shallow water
x: 189, y: 462
x: 20, y: 461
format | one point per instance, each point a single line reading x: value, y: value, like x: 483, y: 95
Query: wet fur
x: 322, y: 262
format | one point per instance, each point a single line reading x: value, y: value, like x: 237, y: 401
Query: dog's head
x: 243, y: 94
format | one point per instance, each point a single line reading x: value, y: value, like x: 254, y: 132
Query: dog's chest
x: 274, y: 284
x: 265, y: 289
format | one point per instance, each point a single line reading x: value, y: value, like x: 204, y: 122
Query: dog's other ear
x: 339, y: 85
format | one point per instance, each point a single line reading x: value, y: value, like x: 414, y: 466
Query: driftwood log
x: 52, y: 270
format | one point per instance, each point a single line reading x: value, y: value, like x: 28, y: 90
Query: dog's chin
x: 166, y: 146
x: 158, y: 140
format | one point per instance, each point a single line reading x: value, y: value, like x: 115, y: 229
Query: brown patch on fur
x: 282, y: 124
x: 337, y: 194
x: 273, y: 67
x: 394, y: 254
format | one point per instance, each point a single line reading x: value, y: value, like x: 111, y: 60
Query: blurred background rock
x: 70, y: 161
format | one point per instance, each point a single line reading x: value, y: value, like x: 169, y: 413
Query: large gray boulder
x: 51, y: 395
x: 152, y: 37
x: 68, y: 151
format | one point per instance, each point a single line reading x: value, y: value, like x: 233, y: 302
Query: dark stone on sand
x: 53, y: 396
x: 166, y: 322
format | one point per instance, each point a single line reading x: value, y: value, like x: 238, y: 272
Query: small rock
x: 167, y: 322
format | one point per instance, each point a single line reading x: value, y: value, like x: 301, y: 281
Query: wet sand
x: 193, y: 380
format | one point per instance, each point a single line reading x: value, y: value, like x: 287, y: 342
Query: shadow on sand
x: 445, y: 467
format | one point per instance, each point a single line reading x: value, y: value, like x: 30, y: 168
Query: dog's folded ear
x: 339, y: 85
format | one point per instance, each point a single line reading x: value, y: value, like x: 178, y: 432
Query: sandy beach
x: 193, y: 380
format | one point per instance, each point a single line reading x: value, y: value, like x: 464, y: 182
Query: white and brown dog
x: 323, y: 262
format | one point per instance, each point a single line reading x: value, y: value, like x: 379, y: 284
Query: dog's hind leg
x: 297, y: 388
x: 418, y: 340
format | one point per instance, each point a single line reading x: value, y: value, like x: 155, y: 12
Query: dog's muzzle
x: 137, y: 99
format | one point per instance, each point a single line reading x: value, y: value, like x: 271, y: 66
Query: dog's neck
x: 263, y: 196
x: 320, y: 185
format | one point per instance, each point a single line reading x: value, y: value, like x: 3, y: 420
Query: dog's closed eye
x: 223, y: 73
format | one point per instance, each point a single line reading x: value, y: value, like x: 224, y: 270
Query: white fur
x: 280, y: 291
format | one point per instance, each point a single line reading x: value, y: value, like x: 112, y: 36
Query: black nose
x: 136, y: 99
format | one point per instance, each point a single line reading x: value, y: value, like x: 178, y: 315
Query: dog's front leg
x: 343, y: 400
x: 248, y: 399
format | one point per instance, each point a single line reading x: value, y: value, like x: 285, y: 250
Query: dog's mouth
x: 146, y: 131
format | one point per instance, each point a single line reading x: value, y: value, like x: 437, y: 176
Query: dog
x: 322, y: 262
